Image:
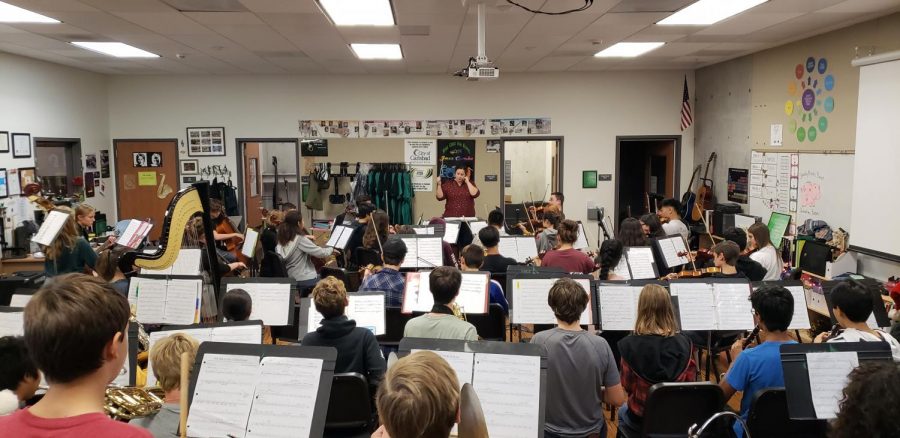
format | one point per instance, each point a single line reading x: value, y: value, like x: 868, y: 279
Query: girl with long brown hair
x: 69, y: 252
x: 764, y: 253
x: 296, y: 249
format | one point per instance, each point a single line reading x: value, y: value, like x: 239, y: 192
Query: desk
x: 8, y: 266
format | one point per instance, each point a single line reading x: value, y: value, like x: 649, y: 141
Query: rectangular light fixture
x: 627, y: 50
x: 359, y: 12
x: 119, y: 50
x: 706, y: 12
x: 15, y: 14
x: 377, y: 51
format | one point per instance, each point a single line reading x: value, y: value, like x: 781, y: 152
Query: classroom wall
x: 50, y: 100
x: 588, y: 109
x: 737, y: 102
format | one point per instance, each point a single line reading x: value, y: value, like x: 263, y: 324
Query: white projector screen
x: 876, y: 169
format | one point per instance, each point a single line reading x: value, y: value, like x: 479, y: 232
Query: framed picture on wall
x: 190, y: 167
x: 4, y: 185
x: 589, y: 179
x: 253, y: 176
x: 4, y: 141
x: 26, y: 176
x: 206, y: 142
x: 21, y: 145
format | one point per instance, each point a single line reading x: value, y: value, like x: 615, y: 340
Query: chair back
x: 349, y: 407
x: 673, y: 407
x: 273, y: 266
x: 472, y: 423
x: 500, y: 278
x: 490, y: 326
x: 333, y: 271
x: 768, y: 417
x: 395, y: 322
x: 364, y: 256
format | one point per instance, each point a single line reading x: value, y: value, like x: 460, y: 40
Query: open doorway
x: 531, y: 169
x: 269, y: 176
x: 647, y: 171
x: 58, y: 161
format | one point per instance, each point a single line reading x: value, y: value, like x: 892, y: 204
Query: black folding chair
x: 672, y: 408
x: 363, y: 257
x: 768, y: 417
x: 272, y: 266
x: 350, y: 407
x: 339, y: 273
x: 490, y: 326
x: 395, y: 322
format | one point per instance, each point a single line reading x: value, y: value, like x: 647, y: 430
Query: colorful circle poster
x: 810, y: 100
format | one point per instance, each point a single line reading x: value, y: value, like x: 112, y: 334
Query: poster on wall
x: 810, y: 99
x: 392, y: 128
x: 89, y: 184
x: 329, y: 128
x: 738, y: 180
x: 104, y: 163
x: 422, y: 178
x: 455, y: 153
x: 90, y: 162
x: 206, y: 142
x: 4, y: 189
x: 519, y: 126
x: 420, y: 152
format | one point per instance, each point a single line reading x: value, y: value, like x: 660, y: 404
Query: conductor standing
x: 460, y: 193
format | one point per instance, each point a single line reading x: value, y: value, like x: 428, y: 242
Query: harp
x: 184, y: 205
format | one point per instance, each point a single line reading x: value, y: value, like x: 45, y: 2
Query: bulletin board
x: 806, y: 185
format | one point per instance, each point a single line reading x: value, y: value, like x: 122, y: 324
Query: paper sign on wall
x: 420, y: 151
x: 777, y: 134
x: 146, y: 178
x: 422, y: 178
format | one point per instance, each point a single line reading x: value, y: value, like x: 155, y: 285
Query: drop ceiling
x: 437, y: 36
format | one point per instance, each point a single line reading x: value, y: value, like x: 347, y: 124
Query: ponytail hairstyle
x: 290, y: 227
x: 568, y: 231
x: 609, y: 256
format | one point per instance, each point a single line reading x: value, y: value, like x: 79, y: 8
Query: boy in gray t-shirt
x: 579, y: 365
x: 440, y: 323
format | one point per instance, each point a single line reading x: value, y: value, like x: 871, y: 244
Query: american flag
x: 686, y: 118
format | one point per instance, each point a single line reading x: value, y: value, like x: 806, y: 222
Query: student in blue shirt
x: 470, y: 259
x: 760, y: 367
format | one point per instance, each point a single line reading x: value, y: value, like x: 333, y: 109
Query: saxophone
x: 127, y: 403
x: 457, y: 311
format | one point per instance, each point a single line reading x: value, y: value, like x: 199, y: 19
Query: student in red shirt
x: 565, y: 256
x: 460, y: 194
x: 76, y: 329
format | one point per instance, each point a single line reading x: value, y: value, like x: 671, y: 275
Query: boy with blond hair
x: 165, y: 356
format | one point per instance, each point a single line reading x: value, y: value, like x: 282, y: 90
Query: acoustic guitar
x: 689, y: 198
x: 706, y: 199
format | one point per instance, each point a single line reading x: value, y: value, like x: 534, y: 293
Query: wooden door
x: 144, y: 191
x: 252, y: 185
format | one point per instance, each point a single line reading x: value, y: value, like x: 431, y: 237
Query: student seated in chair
x: 494, y: 262
x: 471, y: 259
x: 725, y: 257
x: 19, y: 377
x: 565, y: 256
x: 76, y: 330
x: 760, y: 367
x: 165, y: 357
x: 418, y: 398
x: 671, y: 209
x: 852, y: 305
x: 495, y: 220
x: 389, y: 279
x: 547, y: 239
x: 745, y: 265
x: 237, y: 305
x: 357, y: 348
x: 766, y: 254
x: 654, y: 353
x: 441, y: 323
x: 580, y: 364
x: 869, y: 406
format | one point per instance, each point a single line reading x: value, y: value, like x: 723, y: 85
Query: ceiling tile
x: 130, y: 5
x: 748, y: 23
x: 863, y: 6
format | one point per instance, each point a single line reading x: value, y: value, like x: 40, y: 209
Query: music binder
x: 473, y: 292
x: 800, y: 319
x: 340, y: 236
x: 617, y: 304
x: 170, y: 299
x: 673, y: 250
x: 638, y: 264
x: 517, y: 247
x: 240, y: 332
x: 713, y: 303
x: 877, y: 319
x: 49, y: 229
x: 528, y: 294
x: 808, y: 397
x: 272, y: 298
x: 248, y: 248
x: 451, y: 232
x: 423, y: 252
x: 581, y: 242
x: 366, y: 308
x: 509, y: 378
x: 268, y: 391
x: 134, y: 233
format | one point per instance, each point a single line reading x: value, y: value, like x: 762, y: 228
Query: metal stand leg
x: 709, y: 357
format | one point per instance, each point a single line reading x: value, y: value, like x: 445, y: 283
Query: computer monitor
x: 778, y: 226
x: 814, y: 256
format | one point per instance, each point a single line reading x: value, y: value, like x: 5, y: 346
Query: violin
x: 700, y: 256
x: 693, y: 273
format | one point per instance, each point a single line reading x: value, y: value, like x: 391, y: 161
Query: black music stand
x: 289, y: 306
x: 513, y: 214
x: 306, y: 306
x: 881, y: 316
x: 511, y: 276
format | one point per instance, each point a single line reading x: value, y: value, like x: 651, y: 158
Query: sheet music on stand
x: 134, y: 233
x: 800, y: 319
x: 20, y: 300
x: 250, y: 238
x: 509, y: 378
x: 340, y: 236
x: 366, y: 308
x: 476, y: 226
x: 618, y: 305
x: 581, y: 242
x: 272, y: 298
x: 451, y: 232
x: 528, y: 298
x: 424, y: 231
x: 670, y: 247
x: 713, y: 303
x: 165, y: 300
x: 423, y: 252
x: 267, y: 391
x: 518, y: 248
x: 53, y: 222
x: 187, y: 262
x: 472, y: 298
x: 239, y: 332
x: 641, y: 265
x: 11, y: 321
x: 815, y: 374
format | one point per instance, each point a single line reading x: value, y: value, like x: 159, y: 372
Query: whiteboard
x: 806, y: 185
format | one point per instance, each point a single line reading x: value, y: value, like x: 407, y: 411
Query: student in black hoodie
x: 357, y: 348
x: 744, y: 265
x: 654, y: 353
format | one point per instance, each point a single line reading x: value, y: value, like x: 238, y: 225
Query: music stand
x: 227, y: 281
x: 878, y: 310
x: 513, y: 214
x: 306, y: 306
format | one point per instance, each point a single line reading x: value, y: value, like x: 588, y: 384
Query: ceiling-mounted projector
x: 480, y: 67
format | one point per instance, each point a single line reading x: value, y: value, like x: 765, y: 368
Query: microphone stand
x: 601, y: 228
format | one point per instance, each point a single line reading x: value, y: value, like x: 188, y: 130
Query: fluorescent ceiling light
x: 627, y: 50
x: 709, y: 11
x: 119, y: 50
x: 377, y: 51
x: 359, y: 12
x: 15, y: 14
